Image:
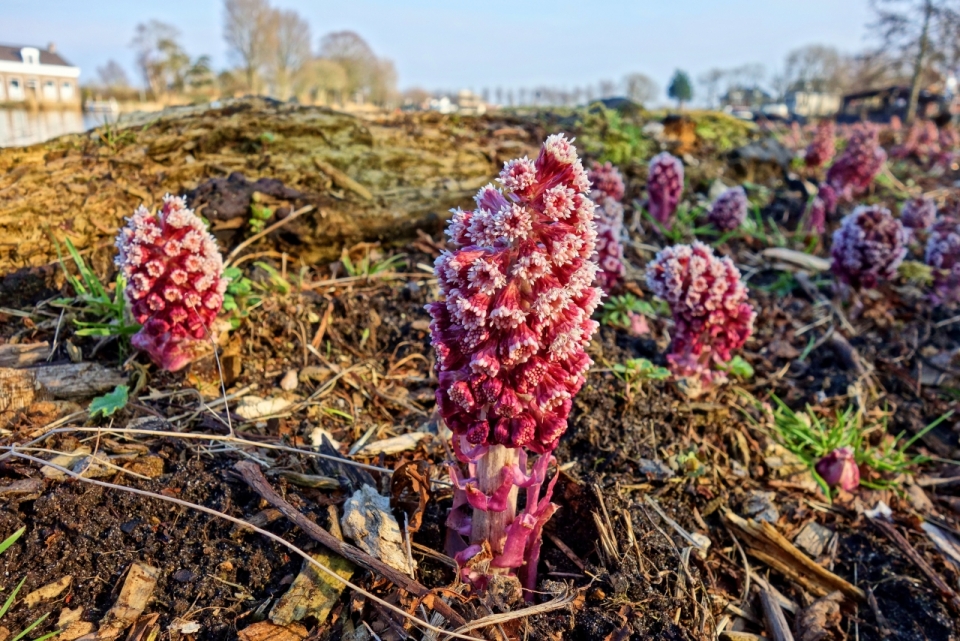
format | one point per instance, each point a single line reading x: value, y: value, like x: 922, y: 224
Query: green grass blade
x: 30, y: 627
x: 10, y: 540
x: 11, y: 598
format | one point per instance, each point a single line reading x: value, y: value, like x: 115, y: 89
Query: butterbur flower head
x: 729, y: 210
x: 821, y: 149
x: 854, y: 170
x: 607, y: 191
x: 839, y: 469
x: 943, y: 254
x: 664, y: 187
x: 918, y: 214
x: 517, y: 303
x: 175, y: 282
x: 709, y: 305
x: 868, y: 247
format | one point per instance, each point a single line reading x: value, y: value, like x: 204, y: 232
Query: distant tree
x: 290, y: 51
x: 324, y: 81
x: 607, y: 88
x: 383, y: 83
x: 920, y: 35
x: 154, y: 41
x: 200, y: 74
x: 248, y: 28
x: 814, y: 68
x: 710, y: 81
x: 112, y: 75
x: 680, y: 88
x: 640, y: 87
x: 351, y: 52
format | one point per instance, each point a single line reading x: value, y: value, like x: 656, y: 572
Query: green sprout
x: 635, y: 371
x: 4, y: 545
x: 369, y: 265
x: 617, y: 309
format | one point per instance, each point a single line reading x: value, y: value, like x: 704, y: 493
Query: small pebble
x: 183, y: 576
x: 289, y: 381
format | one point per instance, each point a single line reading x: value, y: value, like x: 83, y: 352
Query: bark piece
x: 136, y: 591
x: 78, y: 380
x: 773, y: 615
x: 313, y: 593
x: 813, y: 538
x: 367, y: 519
x: 23, y: 354
x: 267, y: 631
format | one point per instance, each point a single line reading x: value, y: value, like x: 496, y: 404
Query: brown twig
x: 252, y: 475
x: 894, y: 535
x: 277, y: 225
x: 777, y: 626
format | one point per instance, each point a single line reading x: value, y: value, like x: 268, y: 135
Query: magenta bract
x: 838, y: 468
x: 607, y: 192
x: 175, y: 281
x: 943, y: 254
x: 664, y: 187
x: 854, y: 170
x: 868, y: 247
x: 709, y: 306
x: 729, y: 210
x: 823, y: 146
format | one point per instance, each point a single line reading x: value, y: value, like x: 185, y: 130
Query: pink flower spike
x: 838, y: 468
x: 943, y: 254
x: 868, y: 247
x: 729, y: 209
x: 664, y: 187
x: 823, y: 147
x: 175, y: 282
x: 853, y: 171
x: 608, y: 190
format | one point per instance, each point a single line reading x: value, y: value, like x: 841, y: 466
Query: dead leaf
x: 409, y: 493
x: 47, y: 592
x: 266, y: 631
x: 813, y: 622
x: 136, y: 591
x: 314, y: 592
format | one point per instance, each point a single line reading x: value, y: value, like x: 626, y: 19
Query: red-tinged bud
x: 853, y: 171
x: 730, y: 209
x: 839, y: 469
x: 943, y: 254
x: 175, y: 282
x: 868, y: 247
x: 664, y: 187
x: 607, y: 192
x: 824, y: 145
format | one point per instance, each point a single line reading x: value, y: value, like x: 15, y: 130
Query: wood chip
x: 313, y: 593
x: 77, y: 380
x: 796, y: 258
x: 134, y: 595
x: 267, y: 631
x: 23, y: 354
x: 47, y: 592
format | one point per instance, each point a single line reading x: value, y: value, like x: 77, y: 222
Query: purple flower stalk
x: 607, y: 192
x: 943, y: 254
x: 821, y: 149
x: 918, y: 214
x: 664, y: 187
x: 709, y: 306
x: 839, y: 468
x: 175, y: 281
x: 922, y: 143
x: 729, y: 210
x: 855, y: 169
x: 868, y: 247
x: 509, y: 336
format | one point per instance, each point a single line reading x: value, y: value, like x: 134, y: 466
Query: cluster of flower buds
x: 664, y: 187
x: 868, y: 247
x: 821, y: 149
x: 175, y: 281
x: 709, y: 305
x: 839, y: 469
x: 854, y: 170
x: 918, y: 214
x: 509, y: 336
x: 729, y: 210
x: 922, y: 143
x: 943, y: 254
x: 607, y: 193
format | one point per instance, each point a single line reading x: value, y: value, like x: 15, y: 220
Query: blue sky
x: 474, y: 44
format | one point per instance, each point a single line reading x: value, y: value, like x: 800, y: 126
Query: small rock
x: 130, y: 526
x: 94, y: 466
x: 183, y: 576
x: 654, y: 469
x: 813, y: 539
x: 289, y: 381
x: 66, y: 461
x: 368, y: 520
x: 760, y: 506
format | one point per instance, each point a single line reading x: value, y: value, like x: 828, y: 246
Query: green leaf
x: 739, y: 367
x: 10, y: 540
x: 109, y: 403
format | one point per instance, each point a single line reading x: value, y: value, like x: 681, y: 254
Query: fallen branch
x: 252, y: 475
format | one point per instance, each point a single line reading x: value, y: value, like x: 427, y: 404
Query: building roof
x: 11, y: 53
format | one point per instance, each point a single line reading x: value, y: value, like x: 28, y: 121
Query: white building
x: 812, y: 104
x: 37, y: 76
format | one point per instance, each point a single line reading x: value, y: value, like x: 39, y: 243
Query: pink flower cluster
x: 922, y: 143
x: 868, y: 247
x: 664, y: 187
x: 709, y: 306
x: 943, y: 254
x: 821, y: 149
x: 854, y: 170
x: 607, y: 193
x: 918, y: 214
x: 510, y: 331
x: 729, y: 210
x: 175, y: 281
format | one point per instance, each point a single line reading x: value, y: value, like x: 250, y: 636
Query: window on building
x: 49, y: 90
x: 15, y: 89
x: 66, y: 90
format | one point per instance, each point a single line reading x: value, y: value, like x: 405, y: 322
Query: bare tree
x: 814, y: 67
x: 112, y: 75
x: 153, y: 42
x: 640, y: 87
x: 710, y: 81
x: 325, y: 81
x: 290, y: 44
x: 918, y: 35
x: 247, y: 29
x: 351, y: 52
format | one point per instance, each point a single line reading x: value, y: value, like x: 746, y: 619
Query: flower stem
x: 488, y: 525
